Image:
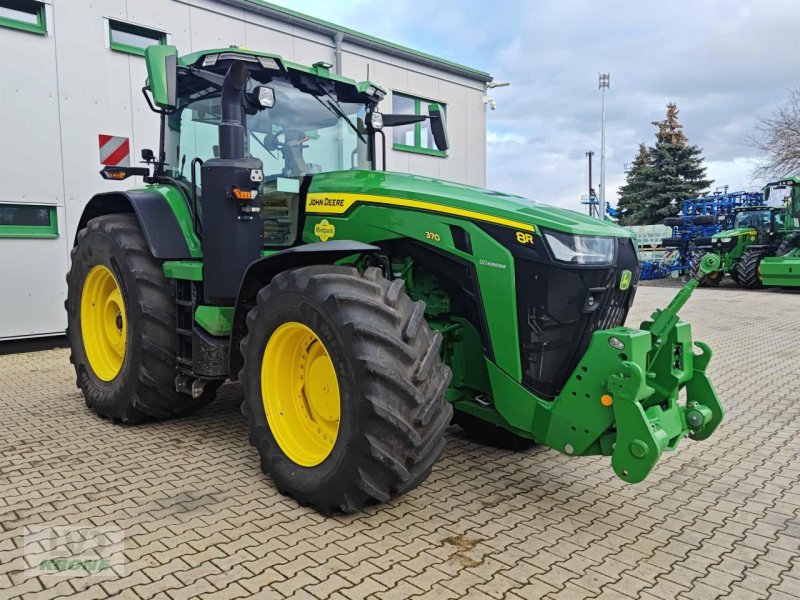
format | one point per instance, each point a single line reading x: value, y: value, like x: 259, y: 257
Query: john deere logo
x: 324, y: 230
x: 625, y: 280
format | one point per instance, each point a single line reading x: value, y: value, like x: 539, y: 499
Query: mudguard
x: 161, y: 230
x: 261, y: 272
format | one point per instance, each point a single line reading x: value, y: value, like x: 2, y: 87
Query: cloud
x: 723, y: 62
x: 493, y: 137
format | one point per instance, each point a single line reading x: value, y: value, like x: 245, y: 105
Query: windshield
x: 756, y: 219
x: 305, y: 132
x: 301, y: 134
x: 778, y: 195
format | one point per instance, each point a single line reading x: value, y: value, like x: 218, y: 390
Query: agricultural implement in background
x: 703, y: 217
x: 361, y: 310
x: 762, y: 248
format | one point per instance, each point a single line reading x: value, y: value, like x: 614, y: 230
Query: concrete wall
x: 61, y: 90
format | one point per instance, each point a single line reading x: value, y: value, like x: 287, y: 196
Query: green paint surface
x: 183, y: 269
x: 216, y: 320
x: 455, y: 195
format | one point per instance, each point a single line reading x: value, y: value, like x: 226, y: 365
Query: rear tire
x: 482, y: 432
x: 748, y: 269
x: 144, y: 386
x: 392, y: 414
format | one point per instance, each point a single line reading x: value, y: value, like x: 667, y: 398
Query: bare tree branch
x: 777, y: 137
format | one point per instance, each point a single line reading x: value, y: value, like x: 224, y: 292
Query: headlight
x: 725, y: 240
x: 581, y: 249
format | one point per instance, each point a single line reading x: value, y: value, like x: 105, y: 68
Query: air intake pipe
x: 231, y: 129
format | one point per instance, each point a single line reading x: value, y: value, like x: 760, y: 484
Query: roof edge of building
x: 292, y: 17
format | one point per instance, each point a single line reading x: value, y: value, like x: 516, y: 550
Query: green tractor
x: 763, y: 248
x: 362, y: 311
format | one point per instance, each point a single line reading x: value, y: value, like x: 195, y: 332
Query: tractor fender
x: 162, y: 233
x: 260, y: 272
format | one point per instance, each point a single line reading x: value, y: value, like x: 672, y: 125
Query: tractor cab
x: 752, y: 225
x: 297, y: 122
x: 784, y: 195
x: 762, y: 222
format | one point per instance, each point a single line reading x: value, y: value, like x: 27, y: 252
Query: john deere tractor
x: 763, y: 248
x: 361, y: 310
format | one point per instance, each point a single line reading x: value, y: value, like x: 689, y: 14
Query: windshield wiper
x: 255, y: 137
x: 333, y: 106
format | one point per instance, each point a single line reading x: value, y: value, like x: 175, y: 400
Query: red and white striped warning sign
x: 115, y: 151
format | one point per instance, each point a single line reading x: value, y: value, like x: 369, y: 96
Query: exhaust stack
x: 232, y: 225
x: 231, y: 129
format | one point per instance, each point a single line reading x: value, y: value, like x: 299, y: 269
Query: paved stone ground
x: 715, y: 519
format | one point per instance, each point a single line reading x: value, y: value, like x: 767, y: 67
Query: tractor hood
x: 457, y: 198
x: 728, y: 233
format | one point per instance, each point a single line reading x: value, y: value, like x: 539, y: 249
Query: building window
x: 133, y: 39
x: 418, y: 136
x: 26, y: 15
x: 28, y: 221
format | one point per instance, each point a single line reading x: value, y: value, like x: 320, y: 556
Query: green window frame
x: 417, y: 147
x: 157, y: 37
x: 31, y: 8
x: 8, y: 229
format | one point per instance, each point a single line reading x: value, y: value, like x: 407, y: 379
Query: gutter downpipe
x: 338, y: 38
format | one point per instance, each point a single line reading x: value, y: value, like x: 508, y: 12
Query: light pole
x: 603, y: 85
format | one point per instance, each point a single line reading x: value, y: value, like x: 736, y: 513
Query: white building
x: 71, y: 72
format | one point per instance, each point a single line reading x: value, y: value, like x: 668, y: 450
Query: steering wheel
x: 271, y: 141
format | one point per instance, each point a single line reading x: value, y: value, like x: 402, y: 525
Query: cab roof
x: 318, y: 69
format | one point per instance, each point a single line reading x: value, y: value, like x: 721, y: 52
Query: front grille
x: 724, y: 247
x: 612, y: 311
x: 560, y: 306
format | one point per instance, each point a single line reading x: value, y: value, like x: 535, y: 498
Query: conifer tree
x: 672, y: 170
x: 633, y: 194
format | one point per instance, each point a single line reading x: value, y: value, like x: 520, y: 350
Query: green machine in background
x: 763, y: 248
x: 362, y: 311
x: 781, y: 266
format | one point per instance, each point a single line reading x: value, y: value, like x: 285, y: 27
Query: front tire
x: 734, y: 273
x: 121, y: 326
x: 712, y: 279
x: 388, y: 418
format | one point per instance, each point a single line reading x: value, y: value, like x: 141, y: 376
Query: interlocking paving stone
x: 715, y: 519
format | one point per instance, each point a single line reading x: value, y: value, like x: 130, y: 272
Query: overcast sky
x: 723, y: 62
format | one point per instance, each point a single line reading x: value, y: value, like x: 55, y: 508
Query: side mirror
x: 438, y: 126
x: 162, y: 75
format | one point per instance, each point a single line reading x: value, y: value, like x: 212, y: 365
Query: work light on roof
x: 268, y: 63
x: 376, y: 120
x: 265, y: 96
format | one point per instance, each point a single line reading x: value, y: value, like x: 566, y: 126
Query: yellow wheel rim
x: 103, y: 323
x: 300, y: 393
